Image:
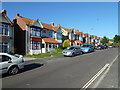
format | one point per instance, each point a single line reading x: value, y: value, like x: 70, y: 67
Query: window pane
x: 5, y: 58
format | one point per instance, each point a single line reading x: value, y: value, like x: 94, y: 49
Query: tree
x: 66, y: 43
x: 116, y: 39
x: 104, y: 40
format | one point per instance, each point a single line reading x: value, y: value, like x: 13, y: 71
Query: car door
x: 77, y: 50
x: 5, y: 63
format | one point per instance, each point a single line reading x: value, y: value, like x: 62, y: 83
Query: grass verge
x: 48, y: 54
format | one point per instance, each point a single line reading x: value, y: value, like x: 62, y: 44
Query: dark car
x: 105, y: 46
x: 99, y: 47
x: 115, y: 46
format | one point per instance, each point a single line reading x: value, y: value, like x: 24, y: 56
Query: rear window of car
x: 70, y: 48
x: 85, y: 45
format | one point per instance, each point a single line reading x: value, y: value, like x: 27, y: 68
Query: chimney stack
x: 52, y: 24
x: 58, y: 25
x: 4, y: 12
x: 16, y: 15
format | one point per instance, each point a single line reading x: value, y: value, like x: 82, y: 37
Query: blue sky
x: 96, y: 18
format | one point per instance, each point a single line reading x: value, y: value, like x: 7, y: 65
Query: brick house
x: 27, y: 35
x: 6, y: 33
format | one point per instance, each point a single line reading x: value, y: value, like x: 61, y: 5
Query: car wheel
x: 13, y: 70
x: 64, y: 55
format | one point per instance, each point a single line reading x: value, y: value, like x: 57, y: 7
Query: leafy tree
x: 104, y: 40
x: 116, y: 39
x: 66, y: 43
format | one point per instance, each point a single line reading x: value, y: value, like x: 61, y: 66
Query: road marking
x: 94, y: 77
x: 105, y: 73
x: 106, y: 67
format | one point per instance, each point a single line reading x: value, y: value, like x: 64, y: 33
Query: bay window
x: 50, y: 34
x: 44, y: 33
x: 4, y: 29
x: 59, y: 36
x: 35, y: 32
x: 4, y: 47
x: 36, y: 45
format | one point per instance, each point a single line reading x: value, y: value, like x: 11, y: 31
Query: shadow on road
x: 26, y: 68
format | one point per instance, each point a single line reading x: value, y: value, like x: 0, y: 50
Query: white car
x: 72, y: 51
x: 10, y: 64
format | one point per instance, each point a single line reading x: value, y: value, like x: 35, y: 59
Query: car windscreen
x: 85, y: 45
x: 99, y: 45
x: 70, y: 48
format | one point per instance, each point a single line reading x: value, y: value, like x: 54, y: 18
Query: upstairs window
x: 59, y: 36
x: 50, y: 34
x: 4, y: 29
x: 44, y: 33
x: 35, y: 32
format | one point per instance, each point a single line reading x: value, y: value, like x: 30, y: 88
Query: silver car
x: 10, y: 64
x: 72, y: 51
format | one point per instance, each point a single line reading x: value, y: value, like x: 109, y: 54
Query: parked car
x: 116, y: 46
x: 10, y: 64
x: 72, y: 51
x: 110, y: 46
x: 87, y: 48
x: 99, y: 47
x: 105, y: 46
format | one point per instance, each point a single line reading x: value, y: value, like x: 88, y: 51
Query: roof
x: 78, y: 41
x: 68, y: 30
x: 56, y: 28
x: 49, y: 40
x: 72, y: 40
x: 47, y: 26
x: 3, y: 13
x: 78, y: 33
x: 86, y: 34
x: 50, y: 27
x: 28, y: 21
x: 95, y: 37
x: 35, y: 39
x: 92, y: 36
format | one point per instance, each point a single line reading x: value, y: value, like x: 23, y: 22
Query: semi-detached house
x: 27, y: 35
x: 51, y: 37
x: 6, y: 33
x: 68, y: 34
x: 34, y: 37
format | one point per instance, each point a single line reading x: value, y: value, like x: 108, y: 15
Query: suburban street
x: 60, y: 71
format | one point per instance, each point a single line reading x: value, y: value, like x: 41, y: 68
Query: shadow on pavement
x: 26, y: 68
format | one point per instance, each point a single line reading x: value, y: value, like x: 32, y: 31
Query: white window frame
x: 3, y: 28
x: 5, y: 44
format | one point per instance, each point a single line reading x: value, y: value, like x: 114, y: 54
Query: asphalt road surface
x: 60, y: 71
